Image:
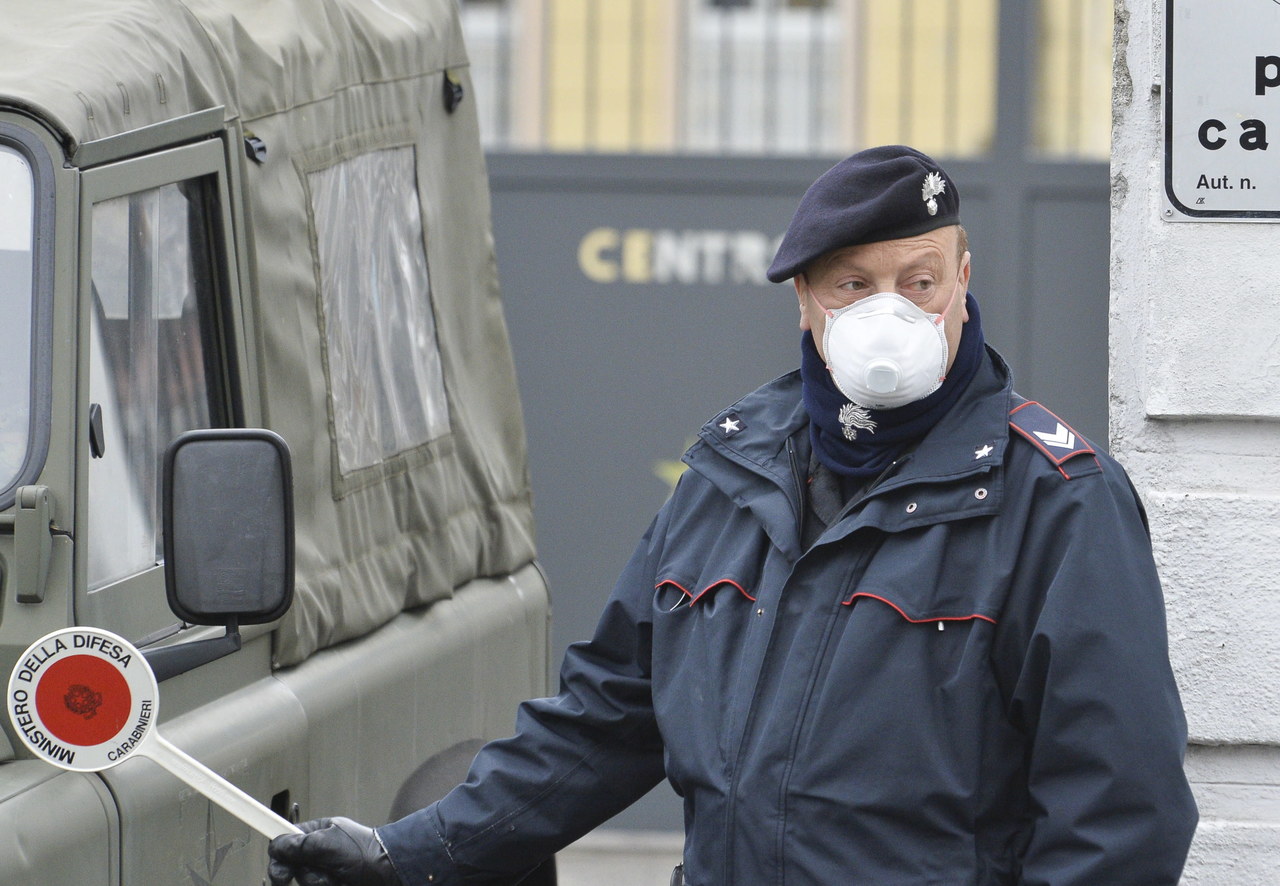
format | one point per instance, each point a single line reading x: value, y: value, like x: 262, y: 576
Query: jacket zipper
x: 798, y: 488
x: 819, y: 666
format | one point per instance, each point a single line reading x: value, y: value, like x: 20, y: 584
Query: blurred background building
x: 644, y: 157
x: 781, y: 77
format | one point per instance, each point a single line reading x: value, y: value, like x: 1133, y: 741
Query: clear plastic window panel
x: 385, y: 375
x: 16, y: 225
x: 153, y: 300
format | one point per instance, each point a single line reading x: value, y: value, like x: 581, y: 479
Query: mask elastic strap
x: 831, y: 315
x: 943, y: 316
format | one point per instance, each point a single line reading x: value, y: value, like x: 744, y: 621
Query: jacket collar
x: 754, y: 431
x: 971, y: 437
x: 764, y: 436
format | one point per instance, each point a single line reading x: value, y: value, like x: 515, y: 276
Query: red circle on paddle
x: 83, y: 700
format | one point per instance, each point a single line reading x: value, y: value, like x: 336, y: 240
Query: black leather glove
x: 331, y: 852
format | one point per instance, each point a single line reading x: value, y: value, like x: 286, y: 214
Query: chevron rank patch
x: 1055, y: 439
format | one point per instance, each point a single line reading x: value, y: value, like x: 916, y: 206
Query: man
x: 896, y: 625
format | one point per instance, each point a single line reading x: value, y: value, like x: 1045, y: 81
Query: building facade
x: 779, y: 77
x: 1194, y: 409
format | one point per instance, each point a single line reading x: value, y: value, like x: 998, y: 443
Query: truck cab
x: 222, y: 214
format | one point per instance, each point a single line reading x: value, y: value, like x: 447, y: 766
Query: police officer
x: 896, y: 624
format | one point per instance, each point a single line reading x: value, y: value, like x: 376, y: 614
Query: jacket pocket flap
x: 917, y: 615
x: 693, y: 592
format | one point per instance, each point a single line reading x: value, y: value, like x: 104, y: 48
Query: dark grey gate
x: 637, y: 309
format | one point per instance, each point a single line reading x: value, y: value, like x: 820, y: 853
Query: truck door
x: 162, y: 352
x: 155, y: 291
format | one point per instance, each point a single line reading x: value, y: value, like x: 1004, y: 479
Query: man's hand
x: 331, y: 852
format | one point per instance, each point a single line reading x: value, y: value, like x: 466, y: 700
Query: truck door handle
x: 32, y: 542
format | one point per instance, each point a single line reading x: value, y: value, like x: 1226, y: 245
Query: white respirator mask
x: 884, y: 352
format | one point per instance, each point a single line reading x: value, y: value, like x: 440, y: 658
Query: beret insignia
x: 934, y: 185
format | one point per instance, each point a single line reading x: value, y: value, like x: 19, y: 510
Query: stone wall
x: 1195, y: 418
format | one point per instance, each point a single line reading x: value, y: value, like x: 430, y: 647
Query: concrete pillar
x: 1195, y: 418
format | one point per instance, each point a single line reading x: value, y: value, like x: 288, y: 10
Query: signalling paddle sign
x: 85, y: 699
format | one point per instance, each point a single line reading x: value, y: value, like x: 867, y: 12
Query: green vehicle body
x: 257, y: 213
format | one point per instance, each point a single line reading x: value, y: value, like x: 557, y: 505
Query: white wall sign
x: 1222, y: 110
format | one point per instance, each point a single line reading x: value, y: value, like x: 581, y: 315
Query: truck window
x: 16, y: 225
x: 153, y: 304
x: 386, y: 384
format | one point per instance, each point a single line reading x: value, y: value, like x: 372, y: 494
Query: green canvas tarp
x: 388, y: 517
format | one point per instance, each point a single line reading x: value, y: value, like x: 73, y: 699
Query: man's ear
x: 802, y: 288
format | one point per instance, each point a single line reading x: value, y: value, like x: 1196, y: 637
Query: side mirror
x: 228, y: 538
x: 228, y: 526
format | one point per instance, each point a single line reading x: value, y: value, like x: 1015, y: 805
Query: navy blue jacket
x: 964, y: 680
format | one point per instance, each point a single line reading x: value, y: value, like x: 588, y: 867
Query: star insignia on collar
x: 731, y: 425
x: 934, y: 184
x: 983, y: 452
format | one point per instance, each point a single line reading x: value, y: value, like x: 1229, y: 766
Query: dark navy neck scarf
x: 879, y: 435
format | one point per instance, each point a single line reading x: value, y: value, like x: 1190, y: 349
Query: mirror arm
x: 169, y: 661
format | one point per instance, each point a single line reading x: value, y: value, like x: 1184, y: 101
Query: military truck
x: 256, y: 214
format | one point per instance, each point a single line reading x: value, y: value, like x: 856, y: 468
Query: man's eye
x: 920, y: 285
x: 853, y: 285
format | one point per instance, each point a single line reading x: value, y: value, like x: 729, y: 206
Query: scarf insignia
x: 854, y: 418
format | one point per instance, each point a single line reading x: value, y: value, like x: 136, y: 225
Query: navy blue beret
x: 883, y: 193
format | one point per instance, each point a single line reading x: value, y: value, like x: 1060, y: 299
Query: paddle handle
x: 216, y: 788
